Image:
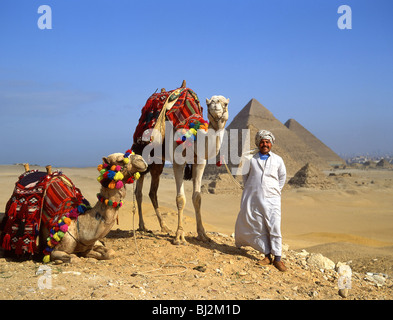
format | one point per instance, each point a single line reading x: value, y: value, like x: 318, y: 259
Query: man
x: 259, y: 221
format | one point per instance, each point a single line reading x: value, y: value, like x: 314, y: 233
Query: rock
x: 319, y: 261
x: 377, y: 279
x: 201, y: 268
x: 343, y: 292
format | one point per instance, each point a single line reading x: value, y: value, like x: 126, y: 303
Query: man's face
x: 265, y: 146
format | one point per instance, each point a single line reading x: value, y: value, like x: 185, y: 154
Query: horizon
x: 72, y: 94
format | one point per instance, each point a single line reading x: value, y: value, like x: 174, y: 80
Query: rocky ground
x: 150, y: 267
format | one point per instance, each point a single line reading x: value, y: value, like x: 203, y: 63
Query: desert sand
x: 351, y: 222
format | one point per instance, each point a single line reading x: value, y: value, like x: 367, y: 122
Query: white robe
x: 258, y: 224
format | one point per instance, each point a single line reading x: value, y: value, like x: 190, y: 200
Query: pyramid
x: 294, y: 151
x: 310, y: 177
x: 317, y: 145
x: 222, y: 184
x: 383, y: 163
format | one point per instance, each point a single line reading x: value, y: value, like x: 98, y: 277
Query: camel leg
x: 60, y: 255
x: 100, y: 252
x: 180, y: 202
x: 197, y: 173
x: 156, y: 170
x: 138, y: 196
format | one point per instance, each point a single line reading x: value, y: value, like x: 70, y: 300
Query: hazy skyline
x: 74, y: 93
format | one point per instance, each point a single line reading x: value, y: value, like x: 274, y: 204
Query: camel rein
x: 165, y: 265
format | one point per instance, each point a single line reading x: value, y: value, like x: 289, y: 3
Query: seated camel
x: 75, y: 227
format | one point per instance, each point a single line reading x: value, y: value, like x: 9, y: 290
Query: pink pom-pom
x: 64, y: 228
x: 105, y: 165
x: 118, y: 168
x: 73, y: 214
x: 119, y: 184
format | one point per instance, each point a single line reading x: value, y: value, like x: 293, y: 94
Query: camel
x: 83, y: 233
x: 218, y: 116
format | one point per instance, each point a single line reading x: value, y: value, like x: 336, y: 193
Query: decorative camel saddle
x: 39, y: 197
x: 180, y: 106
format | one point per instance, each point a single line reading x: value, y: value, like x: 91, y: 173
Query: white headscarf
x: 264, y: 134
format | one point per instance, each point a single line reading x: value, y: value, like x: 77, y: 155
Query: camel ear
x: 105, y: 160
x: 208, y: 101
x: 227, y: 101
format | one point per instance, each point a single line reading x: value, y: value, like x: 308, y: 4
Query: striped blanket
x: 37, y: 198
x: 185, y: 106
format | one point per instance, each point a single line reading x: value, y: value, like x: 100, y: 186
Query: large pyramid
x: 317, y: 145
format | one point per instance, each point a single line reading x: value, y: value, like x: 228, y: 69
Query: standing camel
x: 218, y: 116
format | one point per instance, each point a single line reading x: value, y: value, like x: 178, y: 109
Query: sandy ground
x: 352, y: 223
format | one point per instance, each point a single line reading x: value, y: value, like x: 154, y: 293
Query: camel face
x: 136, y: 163
x: 217, y: 108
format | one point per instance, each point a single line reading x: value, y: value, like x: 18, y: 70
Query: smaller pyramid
x: 314, y: 143
x: 222, y: 184
x: 310, y: 177
x: 383, y: 163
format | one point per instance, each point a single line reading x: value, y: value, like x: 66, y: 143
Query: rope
x: 137, y: 250
x: 234, y: 180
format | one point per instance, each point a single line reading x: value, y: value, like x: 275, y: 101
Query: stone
x: 343, y: 292
x: 319, y: 261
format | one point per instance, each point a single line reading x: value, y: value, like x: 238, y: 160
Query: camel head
x: 217, y: 111
x: 125, y: 167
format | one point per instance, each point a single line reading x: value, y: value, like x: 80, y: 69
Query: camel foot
x: 101, y: 253
x: 180, y: 240
x: 144, y: 230
x: 165, y: 229
x: 60, y: 257
x: 203, y: 237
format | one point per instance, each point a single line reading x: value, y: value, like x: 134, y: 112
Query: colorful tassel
x: 7, y: 242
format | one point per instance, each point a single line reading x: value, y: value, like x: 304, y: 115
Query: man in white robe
x: 258, y: 224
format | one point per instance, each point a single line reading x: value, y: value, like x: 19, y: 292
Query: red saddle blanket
x: 186, y: 107
x: 37, y: 198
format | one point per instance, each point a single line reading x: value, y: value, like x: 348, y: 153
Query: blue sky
x: 72, y: 94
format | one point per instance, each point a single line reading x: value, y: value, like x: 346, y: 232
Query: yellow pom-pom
x: 56, y: 237
x: 46, y: 259
x: 100, y: 178
x: 133, y: 153
x: 118, y: 176
x: 137, y: 175
x: 193, y: 131
x: 126, y: 160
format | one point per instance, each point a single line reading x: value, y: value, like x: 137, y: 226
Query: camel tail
x: 188, y: 172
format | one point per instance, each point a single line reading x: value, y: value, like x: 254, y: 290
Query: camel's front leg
x: 156, y: 170
x: 180, y: 202
x: 197, y: 174
x: 100, y: 252
x: 138, y: 196
x: 57, y: 255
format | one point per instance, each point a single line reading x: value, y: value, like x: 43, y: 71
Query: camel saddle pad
x: 187, y: 105
x: 37, y: 198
